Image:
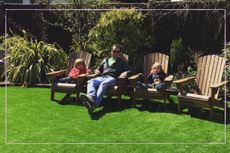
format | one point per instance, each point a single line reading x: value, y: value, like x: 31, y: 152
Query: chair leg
x: 119, y: 100
x: 109, y: 97
x: 134, y: 101
x: 77, y: 100
x: 52, y: 95
x: 164, y: 104
x: 179, y: 108
x: 211, y: 113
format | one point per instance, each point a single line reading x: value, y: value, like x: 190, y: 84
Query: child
x: 79, y: 68
x: 156, y: 77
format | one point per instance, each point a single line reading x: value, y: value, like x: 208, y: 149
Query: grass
x: 33, y: 118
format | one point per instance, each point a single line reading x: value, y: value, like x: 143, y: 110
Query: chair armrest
x: 185, y: 80
x: 218, y: 85
x: 136, y: 77
x: 180, y: 83
x: 133, y: 79
x: 90, y: 76
x: 215, y: 89
x: 169, y: 78
x: 82, y: 76
x: 56, y: 73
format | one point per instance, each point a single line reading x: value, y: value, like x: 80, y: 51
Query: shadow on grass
x: 171, y: 107
x: 111, y: 106
x: 69, y: 101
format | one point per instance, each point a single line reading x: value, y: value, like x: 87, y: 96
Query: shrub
x: 124, y: 27
x: 177, y: 55
x: 29, y: 61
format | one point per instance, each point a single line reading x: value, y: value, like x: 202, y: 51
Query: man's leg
x: 92, y: 86
x: 108, y: 81
x: 89, y: 99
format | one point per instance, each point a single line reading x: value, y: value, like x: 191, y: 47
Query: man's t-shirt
x: 111, y: 61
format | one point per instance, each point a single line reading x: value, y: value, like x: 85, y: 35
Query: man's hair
x: 157, y: 65
x: 116, y: 46
x: 79, y: 61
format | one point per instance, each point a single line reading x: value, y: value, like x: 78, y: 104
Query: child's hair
x: 79, y: 61
x: 157, y: 65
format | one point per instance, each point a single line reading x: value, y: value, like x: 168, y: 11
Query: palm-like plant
x: 29, y: 61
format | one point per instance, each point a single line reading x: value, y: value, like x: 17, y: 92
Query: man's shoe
x: 88, y: 102
x: 88, y: 106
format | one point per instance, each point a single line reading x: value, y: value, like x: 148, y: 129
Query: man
x: 108, y: 72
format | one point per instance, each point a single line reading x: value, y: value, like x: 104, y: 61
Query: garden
x: 42, y: 42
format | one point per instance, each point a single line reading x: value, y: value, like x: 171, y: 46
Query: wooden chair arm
x: 133, y: 79
x: 185, y: 80
x: 82, y: 76
x: 136, y: 77
x: 180, y: 83
x: 56, y: 73
x: 219, y: 84
x: 215, y: 88
x: 90, y: 76
x: 169, y: 78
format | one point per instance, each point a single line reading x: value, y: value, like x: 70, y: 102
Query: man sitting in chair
x: 107, y: 73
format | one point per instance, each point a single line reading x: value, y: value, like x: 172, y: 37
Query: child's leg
x: 160, y: 86
x: 64, y: 80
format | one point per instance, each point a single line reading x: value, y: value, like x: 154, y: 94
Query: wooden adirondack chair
x: 207, y: 81
x: 149, y: 60
x: 70, y: 88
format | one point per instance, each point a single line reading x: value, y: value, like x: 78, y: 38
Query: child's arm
x: 88, y: 71
x: 74, y: 73
x: 150, y: 78
x: 162, y: 76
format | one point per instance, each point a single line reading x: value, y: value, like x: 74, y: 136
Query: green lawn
x: 35, y: 124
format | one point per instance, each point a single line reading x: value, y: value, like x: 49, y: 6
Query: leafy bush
x: 76, y: 23
x: 177, y: 55
x: 124, y: 27
x: 29, y: 61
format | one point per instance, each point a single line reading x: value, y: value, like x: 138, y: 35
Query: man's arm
x: 100, y: 68
x: 128, y: 71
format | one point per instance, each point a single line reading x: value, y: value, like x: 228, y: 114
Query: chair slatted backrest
x: 151, y: 58
x: 73, y: 56
x: 210, y: 70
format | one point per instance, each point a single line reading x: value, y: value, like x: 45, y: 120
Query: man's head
x: 116, y: 51
x: 79, y: 63
x: 157, y: 67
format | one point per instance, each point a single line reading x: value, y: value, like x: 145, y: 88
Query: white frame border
x: 73, y: 143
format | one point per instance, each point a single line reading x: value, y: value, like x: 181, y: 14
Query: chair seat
x: 65, y: 86
x: 194, y: 97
